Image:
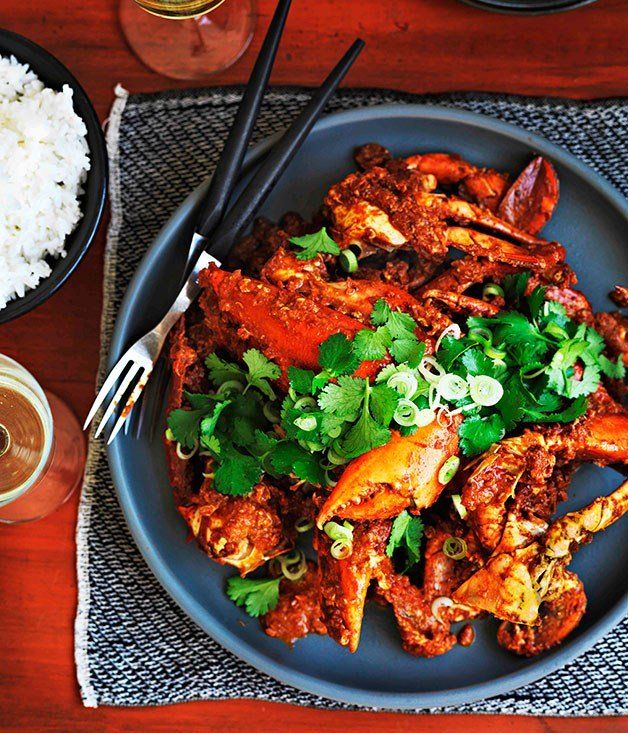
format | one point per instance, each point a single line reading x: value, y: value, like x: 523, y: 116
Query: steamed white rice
x: 43, y: 162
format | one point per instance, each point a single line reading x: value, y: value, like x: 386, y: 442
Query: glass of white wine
x: 42, y: 447
x: 207, y: 37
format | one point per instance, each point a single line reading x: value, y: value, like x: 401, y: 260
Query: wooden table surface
x: 415, y: 45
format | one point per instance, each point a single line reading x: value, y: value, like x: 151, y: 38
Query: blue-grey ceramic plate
x: 591, y: 221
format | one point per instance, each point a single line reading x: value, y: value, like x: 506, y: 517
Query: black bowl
x: 528, y: 7
x: 54, y: 75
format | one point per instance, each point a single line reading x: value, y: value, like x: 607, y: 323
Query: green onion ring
x: 452, y: 387
x: 448, y: 470
x: 336, y: 458
x: 492, y: 290
x: 405, y: 383
x: 305, y: 402
x: 348, y: 261
x: 336, y: 531
x: 453, y: 329
x: 485, y: 391
x: 455, y: 548
x: 231, y: 385
x: 270, y: 412
x: 183, y: 455
x: 459, y: 506
x: 306, y: 422
x: 169, y: 435
x: 430, y: 376
x: 481, y: 336
x: 406, y: 413
x: 303, y: 524
x: 494, y: 353
x: 340, y: 550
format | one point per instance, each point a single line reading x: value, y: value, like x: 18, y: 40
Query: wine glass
x: 207, y: 37
x: 42, y: 448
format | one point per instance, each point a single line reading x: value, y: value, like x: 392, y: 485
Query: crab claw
x: 606, y: 438
x: 403, y: 473
x: 558, y: 618
x: 344, y: 583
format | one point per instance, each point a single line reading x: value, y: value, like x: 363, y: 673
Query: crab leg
x: 354, y: 298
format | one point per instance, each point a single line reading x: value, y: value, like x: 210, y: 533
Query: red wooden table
x: 414, y: 45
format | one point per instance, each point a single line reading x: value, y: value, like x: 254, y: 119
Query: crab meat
x: 399, y: 475
x: 391, y: 209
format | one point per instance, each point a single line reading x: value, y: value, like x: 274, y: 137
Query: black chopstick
x: 277, y: 160
x: 228, y: 168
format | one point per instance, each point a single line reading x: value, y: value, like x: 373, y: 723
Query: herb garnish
x: 405, y: 539
x: 313, y: 244
x: 257, y: 595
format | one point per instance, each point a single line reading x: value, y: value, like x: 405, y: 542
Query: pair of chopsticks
x: 216, y: 231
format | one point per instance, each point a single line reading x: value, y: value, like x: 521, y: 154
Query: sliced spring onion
x: 207, y: 475
x: 231, y: 385
x: 433, y: 397
x: 452, y: 330
x: 448, y: 470
x: 336, y: 458
x: 406, y: 413
x: 293, y: 565
x: 425, y: 417
x: 306, y: 422
x: 186, y: 456
x: 481, y: 336
x: 405, y: 383
x: 430, y: 369
x: 438, y: 604
x: 328, y: 478
x: 452, y: 387
x: 459, y: 506
x: 494, y: 353
x: 484, y: 390
x: 271, y: 413
x: 341, y: 550
x: 492, y: 291
x: 169, y: 435
x: 305, y: 403
x: 348, y: 261
x: 334, y: 432
x: 455, y: 548
x: 303, y: 524
x: 336, y: 531
x: 532, y: 374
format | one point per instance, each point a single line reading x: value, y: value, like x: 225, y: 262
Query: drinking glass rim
x: 23, y: 382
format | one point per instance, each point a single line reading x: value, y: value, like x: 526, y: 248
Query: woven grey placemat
x: 133, y: 644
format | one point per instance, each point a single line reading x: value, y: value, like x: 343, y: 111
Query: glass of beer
x: 188, y: 39
x: 42, y: 448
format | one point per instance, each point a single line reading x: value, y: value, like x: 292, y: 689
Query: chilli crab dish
x: 355, y: 416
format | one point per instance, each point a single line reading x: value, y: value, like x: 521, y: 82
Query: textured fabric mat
x: 133, y: 645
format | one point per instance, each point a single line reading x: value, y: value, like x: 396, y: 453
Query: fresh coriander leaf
x: 476, y: 362
x: 314, y: 244
x: 381, y: 313
x: 407, y: 350
x: 257, y: 595
x: 477, y: 434
x: 555, y: 312
x: 511, y: 406
x: 451, y: 349
x: 336, y: 356
x: 536, y: 299
x: 400, y: 324
x: 371, y: 345
x: 261, y: 369
x: 588, y: 382
x: 290, y: 458
x: 300, y: 379
x: 204, y: 401
x: 344, y: 398
x: 613, y: 370
x: 515, y: 286
x: 383, y: 401
x: 595, y: 340
x: 406, y: 534
x: 213, y: 444
x: 364, y: 435
x: 184, y: 425
x: 208, y: 424
x: 222, y: 371
x: 237, y: 473
x: 577, y: 408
